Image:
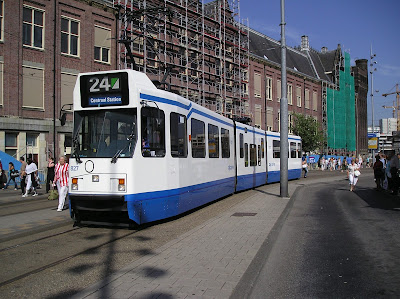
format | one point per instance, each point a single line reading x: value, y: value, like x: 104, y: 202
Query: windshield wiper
x: 75, y: 143
x: 119, y: 152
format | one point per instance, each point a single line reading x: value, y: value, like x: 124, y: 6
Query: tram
x: 143, y: 154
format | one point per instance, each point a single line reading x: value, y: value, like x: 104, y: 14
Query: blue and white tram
x: 148, y: 154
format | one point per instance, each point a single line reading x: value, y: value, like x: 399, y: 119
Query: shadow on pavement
x: 379, y: 199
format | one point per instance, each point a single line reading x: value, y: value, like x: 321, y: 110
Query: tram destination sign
x: 99, y: 90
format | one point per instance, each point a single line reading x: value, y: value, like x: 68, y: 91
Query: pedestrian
x: 305, y: 166
x: 31, y: 170
x: 50, y: 173
x: 323, y: 163
x: 12, y: 175
x: 61, y: 181
x: 3, y: 178
x: 22, y: 174
x: 339, y: 163
x: 394, y: 167
x: 378, y: 173
x: 353, y: 174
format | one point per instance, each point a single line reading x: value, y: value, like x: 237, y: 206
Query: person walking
x: 22, y: 174
x: 339, y: 163
x: 30, y: 170
x: 50, y: 173
x: 378, y: 173
x: 305, y: 166
x: 394, y: 167
x: 61, y: 174
x: 352, y: 174
x: 12, y: 176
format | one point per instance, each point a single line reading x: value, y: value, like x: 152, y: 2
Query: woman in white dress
x: 351, y: 169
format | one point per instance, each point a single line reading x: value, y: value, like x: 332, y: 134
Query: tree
x: 310, y: 132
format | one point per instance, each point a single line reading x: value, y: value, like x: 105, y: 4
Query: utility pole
x: 284, y: 146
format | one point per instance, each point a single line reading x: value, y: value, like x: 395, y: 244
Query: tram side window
x: 246, y: 155
x: 259, y: 155
x: 241, y: 146
x: 226, y: 152
x: 178, y: 135
x: 213, y: 141
x: 293, y: 150
x: 276, y: 144
x: 262, y: 148
x: 198, y: 139
x: 153, y: 132
x: 298, y: 150
x: 253, y: 155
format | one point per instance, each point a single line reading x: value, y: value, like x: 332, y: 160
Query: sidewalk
x: 22, y: 223
x: 210, y: 260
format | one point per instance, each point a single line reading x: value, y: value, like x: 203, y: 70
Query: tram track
x: 37, y: 240
x: 60, y: 261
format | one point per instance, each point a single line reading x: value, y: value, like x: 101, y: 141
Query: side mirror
x: 63, y: 119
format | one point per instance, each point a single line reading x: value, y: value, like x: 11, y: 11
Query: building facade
x: 360, y: 72
x: 43, y: 46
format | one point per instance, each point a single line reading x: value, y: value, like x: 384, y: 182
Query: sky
x: 355, y: 24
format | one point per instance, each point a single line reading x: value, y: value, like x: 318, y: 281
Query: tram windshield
x: 105, y: 133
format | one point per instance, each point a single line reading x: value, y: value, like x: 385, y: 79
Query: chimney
x: 324, y: 50
x: 305, y: 45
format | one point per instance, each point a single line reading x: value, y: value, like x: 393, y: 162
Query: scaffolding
x: 340, y: 106
x: 200, y: 50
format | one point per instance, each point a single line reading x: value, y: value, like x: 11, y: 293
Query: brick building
x: 43, y: 46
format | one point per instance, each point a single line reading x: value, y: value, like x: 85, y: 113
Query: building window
x: 69, y: 36
x: 270, y: 119
x: 1, y: 20
x: 307, y: 99
x: 102, y: 44
x: 257, y: 118
x: 298, y: 96
x: 315, y: 101
x: 268, y: 88
x: 33, y: 87
x: 257, y: 85
x: 31, y: 140
x: 290, y: 94
x: 290, y: 123
x: 278, y: 90
x: 11, y: 144
x: 33, y: 27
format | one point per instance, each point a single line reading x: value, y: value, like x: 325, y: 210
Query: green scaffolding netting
x: 341, y: 123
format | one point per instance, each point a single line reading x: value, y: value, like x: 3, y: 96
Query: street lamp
x: 373, y: 69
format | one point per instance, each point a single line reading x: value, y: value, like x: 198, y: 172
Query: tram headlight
x: 74, y: 185
x: 95, y: 178
x: 121, y: 184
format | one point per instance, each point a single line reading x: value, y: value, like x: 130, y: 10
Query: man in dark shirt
x: 394, y: 166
